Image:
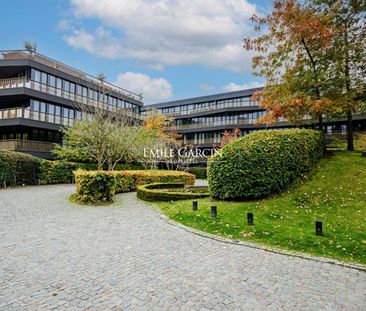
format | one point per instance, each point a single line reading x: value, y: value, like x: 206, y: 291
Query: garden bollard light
x: 213, y: 211
x: 194, y: 205
x: 319, y: 228
x: 250, y: 218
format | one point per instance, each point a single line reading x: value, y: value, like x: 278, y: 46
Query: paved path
x: 56, y: 255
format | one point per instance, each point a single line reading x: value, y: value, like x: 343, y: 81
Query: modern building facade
x: 201, y: 121
x: 40, y: 96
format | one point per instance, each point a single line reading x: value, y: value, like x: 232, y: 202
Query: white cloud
x: 231, y: 87
x: 153, y: 90
x: 162, y: 32
x: 206, y: 87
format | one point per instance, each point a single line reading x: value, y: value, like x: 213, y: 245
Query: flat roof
x: 206, y: 98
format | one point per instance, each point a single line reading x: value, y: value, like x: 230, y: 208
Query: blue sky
x: 165, y: 49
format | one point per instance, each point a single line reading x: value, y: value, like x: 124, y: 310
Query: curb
x: 325, y: 260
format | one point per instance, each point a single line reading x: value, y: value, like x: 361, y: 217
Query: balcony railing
x: 44, y: 88
x: 213, y: 107
x: 26, y: 113
x: 232, y: 123
x: 26, y: 145
x: 206, y: 141
x: 39, y: 58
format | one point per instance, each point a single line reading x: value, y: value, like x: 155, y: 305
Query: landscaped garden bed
x: 158, y: 192
x: 334, y: 192
x: 101, y: 186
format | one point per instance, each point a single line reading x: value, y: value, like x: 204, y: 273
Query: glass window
x: 57, y: 110
x: 34, y: 105
x: 66, y: 86
x: 85, y: 92
x: 52, y: 80
x: 42, y: 107
x: 59, y: 83
x: 36, y: 75
x: 72, y: 88
x: 79, y: 90
x: 71, y: 113
x: 51, y: 109
x: 44, y: 78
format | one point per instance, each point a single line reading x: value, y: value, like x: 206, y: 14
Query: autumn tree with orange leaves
x: 304, y: 62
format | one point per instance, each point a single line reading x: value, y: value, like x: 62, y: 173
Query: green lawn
x: 335, y: 194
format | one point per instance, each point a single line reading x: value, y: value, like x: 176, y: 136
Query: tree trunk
x: 321, y: 124
x: 350, y: 145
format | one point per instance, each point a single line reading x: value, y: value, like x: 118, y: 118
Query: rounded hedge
x: 263, y: 163
x: 157, y: 192
x: 99, y: 186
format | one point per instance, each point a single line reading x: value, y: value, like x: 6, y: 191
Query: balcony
x: 216, y: 106
x: 26, y: 113
x: 26, y: 145
x: 205, y: 141
x: 39, y: 58
x: 231, y: 123
x: 50, y: 90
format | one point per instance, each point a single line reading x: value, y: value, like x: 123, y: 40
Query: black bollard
x: 319, y: 228
x: 250, y: 218
x: 213, y: 211
x: 194, y: 205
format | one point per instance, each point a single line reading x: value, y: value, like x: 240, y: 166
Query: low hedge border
x: 17, y: 169
x: 153, y: 193
x: 100, y: 186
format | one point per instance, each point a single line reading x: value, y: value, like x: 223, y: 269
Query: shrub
x: 263, y: 163
x: 158, y: 192
x: 199, y: 172
x: 57, y: 172
x: 18, y: 169
x: 126, y: 181
x: 23, y: 169
x: 94, y: 186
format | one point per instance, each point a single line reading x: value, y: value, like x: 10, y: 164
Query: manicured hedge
x: 155, y: 192
x: 125, y: 181
x: 18, y: 169
x: 92, y: 187
x: 199, y: 172
x: 23, y: 169
x: 56, y: 172
x: 263, y: 163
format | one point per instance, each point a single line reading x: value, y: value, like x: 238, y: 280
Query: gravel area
x: 55, y: 255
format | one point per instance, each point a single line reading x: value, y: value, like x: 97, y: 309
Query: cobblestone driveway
x: 56, y: 255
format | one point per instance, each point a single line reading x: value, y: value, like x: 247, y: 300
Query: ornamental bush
x: 160, y: 192
x: 57, y: 172
x: 199, y: 172
x: 18, y: 169
x: 124, y: 181
x: 263, y: 163
x: 94, y: 186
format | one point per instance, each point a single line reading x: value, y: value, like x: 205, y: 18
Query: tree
x: 100, y: 136
x: 313, y: 57
x: 348, y: 55
x: 229, y: 136
x: 161, y: 128
x: 293, y: 59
